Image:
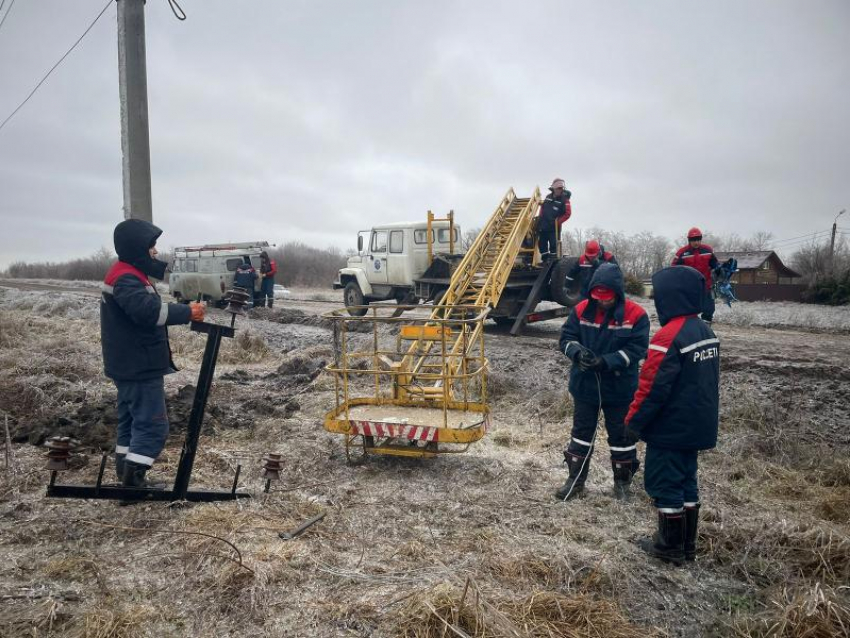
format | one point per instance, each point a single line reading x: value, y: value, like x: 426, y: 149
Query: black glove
x: 584, y: 359
x: 596, y: 364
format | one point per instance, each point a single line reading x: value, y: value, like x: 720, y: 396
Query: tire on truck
x: 353, y: 296
x: 566, y: 293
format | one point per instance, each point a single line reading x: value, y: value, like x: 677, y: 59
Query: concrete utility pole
x: 133, y: 87
x: 832, y: 242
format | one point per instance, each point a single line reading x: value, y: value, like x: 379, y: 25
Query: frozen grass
x: 460, y: 545
x: 784, y: 314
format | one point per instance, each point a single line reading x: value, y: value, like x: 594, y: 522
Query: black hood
x: 678, y: 290
x: 133, y: 239
x: 611, y: 276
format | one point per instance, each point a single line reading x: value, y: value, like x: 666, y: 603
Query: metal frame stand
x: 180, y: 491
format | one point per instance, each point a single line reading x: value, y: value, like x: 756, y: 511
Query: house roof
x: 753, y: 259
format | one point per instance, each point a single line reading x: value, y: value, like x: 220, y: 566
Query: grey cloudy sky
x: 308, y: 120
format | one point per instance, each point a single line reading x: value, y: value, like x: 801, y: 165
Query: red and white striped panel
x: 394, y: 430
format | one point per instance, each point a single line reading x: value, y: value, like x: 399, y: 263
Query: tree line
x: 297, y: 264
x: 640, y: 254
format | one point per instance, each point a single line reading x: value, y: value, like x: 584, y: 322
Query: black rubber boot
x: 271, y: 302
x: 134, y: 476
x: 691, y: 528
x: 624, y: 471
x: 578, y: 466
x: 119, y: 465
x: 668, y: 543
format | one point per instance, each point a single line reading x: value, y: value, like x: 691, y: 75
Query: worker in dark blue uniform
x: 136, y: 354
x: 675, y: 409
x: 605, y: 336
x: 554, y: 211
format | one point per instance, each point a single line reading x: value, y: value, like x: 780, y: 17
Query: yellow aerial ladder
x: 443, y: 369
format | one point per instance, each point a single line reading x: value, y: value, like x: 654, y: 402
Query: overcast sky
x: 309, y: 120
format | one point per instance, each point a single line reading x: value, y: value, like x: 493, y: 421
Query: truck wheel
x: 353, y: 296
x: 562, y: 291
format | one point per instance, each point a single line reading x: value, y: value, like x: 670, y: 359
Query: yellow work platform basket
x: 408, y: 385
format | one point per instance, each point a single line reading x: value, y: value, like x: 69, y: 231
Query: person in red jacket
x: 701, y: 257
x: 268, y: 269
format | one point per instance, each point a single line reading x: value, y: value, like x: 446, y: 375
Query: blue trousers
x: 670, y: 477
x: 142, y: 420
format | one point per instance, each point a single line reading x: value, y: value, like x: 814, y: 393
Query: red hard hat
x: 591, y: 248
x: 602, y: 293
x: 694, y: 232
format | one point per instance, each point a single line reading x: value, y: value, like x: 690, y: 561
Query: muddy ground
x: 463, y: 545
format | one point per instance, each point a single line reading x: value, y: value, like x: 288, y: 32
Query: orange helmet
x: 694, y: 233
x: 591, y: 249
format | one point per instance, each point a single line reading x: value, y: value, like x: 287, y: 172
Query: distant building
x: 762, y: 276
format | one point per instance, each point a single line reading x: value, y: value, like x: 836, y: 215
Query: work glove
x: 198, y: 309
x: 588, y: 361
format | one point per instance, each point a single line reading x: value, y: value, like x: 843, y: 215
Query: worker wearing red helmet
x: 554, y: 211
x: 700, y: 257
x: 586, y: 265
x: 605, y: 337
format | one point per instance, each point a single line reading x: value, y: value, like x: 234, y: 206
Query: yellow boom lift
x: 417, y: 385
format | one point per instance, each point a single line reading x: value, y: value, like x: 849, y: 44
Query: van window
x: 443, y: 235
x: 420, y: 236
x: 191, y: 265
x: 396, y: 241
x: 379, y: 241
x: 175, y: 266
x: 233, y: 264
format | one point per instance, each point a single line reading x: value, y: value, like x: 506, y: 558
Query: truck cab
x: 391, y: 258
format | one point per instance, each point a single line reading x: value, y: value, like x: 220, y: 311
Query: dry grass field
x: 469, y: 545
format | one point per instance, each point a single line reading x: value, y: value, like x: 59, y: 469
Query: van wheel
x: 564, y: 292
x: 353, y: 296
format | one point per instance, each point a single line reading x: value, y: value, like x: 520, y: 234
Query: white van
x: 206, y: 272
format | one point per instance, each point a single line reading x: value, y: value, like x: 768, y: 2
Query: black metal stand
x: 181, y: 491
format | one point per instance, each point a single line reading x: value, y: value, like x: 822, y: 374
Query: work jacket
x: 701, y: 258
x: 676, y: 404
x: 133, y: 317
x: 620, y: 336
x: 554, y: 211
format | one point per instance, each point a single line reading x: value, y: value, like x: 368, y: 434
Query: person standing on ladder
x: 554, y: 211
x: 268, y: 269
x: 586, y: 265
x: 136, y: 353
x: 700, y: 256
x: 605, y: 336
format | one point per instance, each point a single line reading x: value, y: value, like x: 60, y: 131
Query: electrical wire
x: 177, y: 10
x: 53, y: 68
x: 800, y: 237
x: 8, y: 11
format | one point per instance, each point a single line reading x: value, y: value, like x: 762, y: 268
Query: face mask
x: 152, y: 267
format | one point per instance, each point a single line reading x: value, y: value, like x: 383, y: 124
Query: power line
x: 53, y: 68
x: 791, y: 239
x: 8, y: 11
